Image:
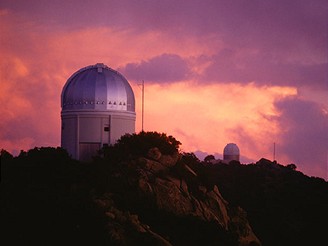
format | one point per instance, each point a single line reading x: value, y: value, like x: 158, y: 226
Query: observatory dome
x: 231, y: 152
x: 98, y: 88
x: 231, y: 149
x: 98, y: 107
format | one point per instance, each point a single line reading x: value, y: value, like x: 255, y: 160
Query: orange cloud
x: 40, y: 48
x: 37, y: 61
x: 207, y: 117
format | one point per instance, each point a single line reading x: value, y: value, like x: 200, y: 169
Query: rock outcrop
x: 166, y: 185
x: 125, y: 228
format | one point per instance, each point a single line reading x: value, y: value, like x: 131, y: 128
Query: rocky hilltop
x: 145, y: 191
x: 165, y: 191
x: 141, y: 191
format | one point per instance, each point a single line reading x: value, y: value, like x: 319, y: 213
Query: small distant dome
x: 97, y: 87
x: 231, y: 152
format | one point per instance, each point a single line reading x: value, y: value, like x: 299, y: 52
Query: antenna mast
x: 143, y: 105
x: 274, y: 151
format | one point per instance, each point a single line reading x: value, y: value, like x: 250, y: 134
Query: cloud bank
x: 252, y: 72
x: 304, y: 127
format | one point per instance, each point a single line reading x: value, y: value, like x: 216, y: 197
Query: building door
x: 88, y: 150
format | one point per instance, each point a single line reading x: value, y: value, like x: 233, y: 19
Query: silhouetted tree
x: 133, y: 145
x: 209, y: 158
x: 291, y: 166
x: 5, y: 155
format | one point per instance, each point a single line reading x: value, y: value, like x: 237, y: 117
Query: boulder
x: 151, y: 165
x: 169, y: 160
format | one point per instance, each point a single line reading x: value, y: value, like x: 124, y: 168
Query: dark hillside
x: 284, y: 206
x: 142, y: 191
x: 45, y: 200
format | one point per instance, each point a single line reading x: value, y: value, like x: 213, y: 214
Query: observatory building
x: 98, y: 107
x: 231, y: 152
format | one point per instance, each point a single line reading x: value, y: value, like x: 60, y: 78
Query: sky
x: 216, y: 71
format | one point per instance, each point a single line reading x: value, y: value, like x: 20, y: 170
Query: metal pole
x: 274, y: 151
x: 143, y: 105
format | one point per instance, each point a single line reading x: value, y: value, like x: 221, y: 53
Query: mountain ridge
x: 143, y: 190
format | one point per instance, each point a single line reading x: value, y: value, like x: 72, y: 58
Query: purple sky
x: 265, y: 59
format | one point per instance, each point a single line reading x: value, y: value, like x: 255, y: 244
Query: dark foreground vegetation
x: 141, y: 191
x: 284, y: 206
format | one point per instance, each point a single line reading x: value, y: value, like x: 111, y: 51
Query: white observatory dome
x: 98, y: 107
x: 231, y: 152
x: 97, y: 87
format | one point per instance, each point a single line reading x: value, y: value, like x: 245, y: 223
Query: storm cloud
x: 304, y: 138
x: 163, y: 68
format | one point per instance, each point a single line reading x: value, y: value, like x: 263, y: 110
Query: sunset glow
x: 214, y: 72
x: 207, y: 117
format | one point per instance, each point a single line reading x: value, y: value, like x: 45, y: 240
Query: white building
x: 231, y: 152
x: 98, y: 107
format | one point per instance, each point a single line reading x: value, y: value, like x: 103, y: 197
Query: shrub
x: 134, y: 145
